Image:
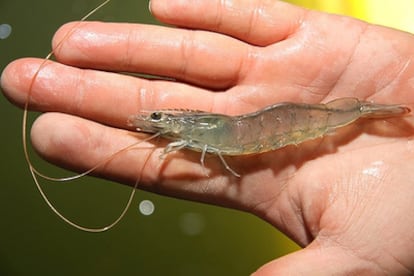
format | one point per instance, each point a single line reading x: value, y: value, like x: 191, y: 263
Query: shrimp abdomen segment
x: 291, y: 123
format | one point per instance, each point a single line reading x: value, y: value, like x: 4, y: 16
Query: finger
x: 80, y: 145
x: 199, y: 57
x: 102, y: 96
x: 331, y: 260
x: 256, y: 22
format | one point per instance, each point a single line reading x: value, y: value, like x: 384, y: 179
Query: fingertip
x: 61, y: 35
x: 9, y: 78
x: 6, y: 79
x: 62, y: 31
x: 40, y: 134
x: 57, y: 137
x: 156, y: 9
x: 80, y: 38
x: 16, y: 77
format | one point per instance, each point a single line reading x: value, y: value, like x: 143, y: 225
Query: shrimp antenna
x: 35, y: 173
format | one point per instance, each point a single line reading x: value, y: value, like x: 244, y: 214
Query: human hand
x: 347, y: 198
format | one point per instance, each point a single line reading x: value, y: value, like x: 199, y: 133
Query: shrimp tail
x: 372, y: 110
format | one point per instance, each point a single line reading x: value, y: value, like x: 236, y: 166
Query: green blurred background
x: 180, y: 237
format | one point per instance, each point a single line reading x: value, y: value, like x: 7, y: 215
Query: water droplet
x: 5, y: 31
x: 374, y: 169
x: 146, y: 207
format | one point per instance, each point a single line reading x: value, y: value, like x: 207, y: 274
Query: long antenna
x: 35, y: 173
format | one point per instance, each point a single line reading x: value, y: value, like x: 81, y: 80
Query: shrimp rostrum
x: 267, y: 129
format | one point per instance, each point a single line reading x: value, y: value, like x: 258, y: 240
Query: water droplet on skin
x: 374, y: 169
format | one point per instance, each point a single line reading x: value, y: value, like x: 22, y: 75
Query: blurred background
x: 179, y: 237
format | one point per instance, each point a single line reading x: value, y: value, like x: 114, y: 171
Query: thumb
x: 319, y: 260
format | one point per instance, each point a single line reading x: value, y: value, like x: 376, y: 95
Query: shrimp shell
x: 265, y: 130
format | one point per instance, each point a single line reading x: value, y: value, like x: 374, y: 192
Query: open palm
x: 347, y: 198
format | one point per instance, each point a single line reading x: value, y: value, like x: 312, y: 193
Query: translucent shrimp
x: 267, y: 129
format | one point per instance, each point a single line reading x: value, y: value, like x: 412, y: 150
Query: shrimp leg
x: 178, y: 145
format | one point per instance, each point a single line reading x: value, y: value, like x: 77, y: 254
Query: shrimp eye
x: 156, y: 116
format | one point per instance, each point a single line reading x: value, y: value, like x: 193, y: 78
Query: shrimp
x: 267, y: 129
